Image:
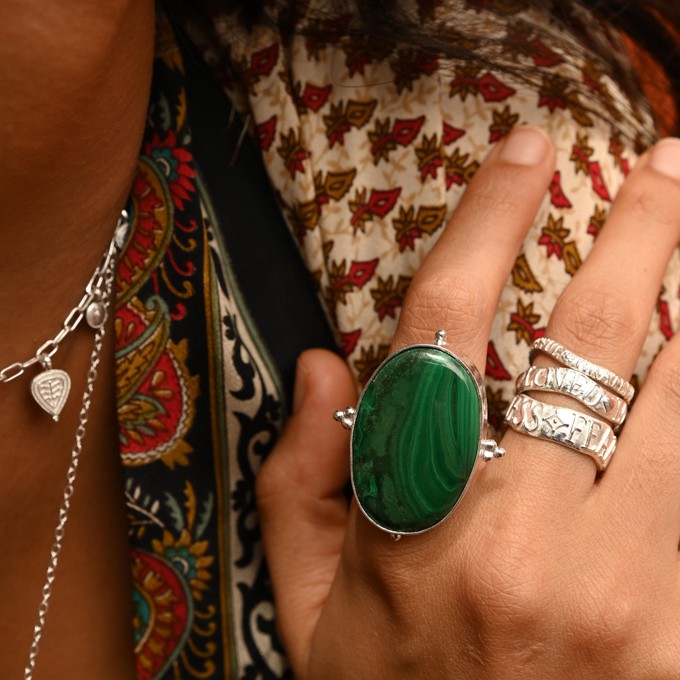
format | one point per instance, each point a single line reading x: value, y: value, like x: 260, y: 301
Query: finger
x: 644, y: 492
x: 301, y: 500
x: 458, y: 285
x: 605, y: 312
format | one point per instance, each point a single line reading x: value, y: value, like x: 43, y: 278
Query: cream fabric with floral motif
x: 371, y: 148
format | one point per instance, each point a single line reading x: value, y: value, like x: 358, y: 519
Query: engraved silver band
x: 598, y: 373
x: 573, y: 429
x: 573, y: 383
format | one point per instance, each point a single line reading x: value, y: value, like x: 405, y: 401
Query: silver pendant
x: 50, y: 389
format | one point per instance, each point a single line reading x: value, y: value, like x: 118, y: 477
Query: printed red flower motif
x: 552, y: 101
x: 451, y: 134
x: 343, y: 117
x: 429, y: 157
x: 488, y: 86
x: 494, y: 366
x: 523, y: 321
x: 557, y: 196
x: 342, y: 282
x: 386, y: 138
x: 379, y: 204
x: 323, y: 33
x: 503, y: 122
x: 176, y: 165
x: 410, y: 65
x: 597, y: 220
x: 313, y: 97
x: 599, y: 185
x: 665, y: 324
x: 458, y: 170
x: 146, y: 234
x: 292, y: 152
x: 263, y: 61
x: 543, y: 55
x: 553, y: 236
x: 389, y: 295
x: 492, y: 90
x: 534, y: 48
x: 348, y: 341
x: 266, y: 131
x: 411, y: 225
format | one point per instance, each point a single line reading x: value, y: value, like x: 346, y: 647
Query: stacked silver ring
x: 601, y: 391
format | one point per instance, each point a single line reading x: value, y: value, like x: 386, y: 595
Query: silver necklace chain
x: 93, y: 293
x: 94, y: 306
x: 59, y: 531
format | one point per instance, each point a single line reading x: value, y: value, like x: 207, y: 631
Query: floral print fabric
x: 370, y: 150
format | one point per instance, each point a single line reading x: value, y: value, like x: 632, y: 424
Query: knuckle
x: 606, y: 617
x: 641, y: 199
x: 506, y: 584
x: 457, y: 306
x: 596, y: 319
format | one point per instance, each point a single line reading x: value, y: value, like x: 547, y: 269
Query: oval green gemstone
x: 415, y: 439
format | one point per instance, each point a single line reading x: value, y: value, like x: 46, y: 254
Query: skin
x: 70, y: 127
x: 544, y: 570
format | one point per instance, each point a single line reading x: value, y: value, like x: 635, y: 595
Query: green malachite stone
x: 415, y: 439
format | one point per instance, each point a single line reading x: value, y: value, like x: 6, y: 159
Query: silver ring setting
x: 418, y: 430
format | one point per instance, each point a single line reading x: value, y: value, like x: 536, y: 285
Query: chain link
x: 12, y: 371
x: 93, y: 291
x: 76, y: 451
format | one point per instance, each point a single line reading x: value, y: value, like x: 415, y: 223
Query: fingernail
x: 525, y: 146
x: 665, y: 157
x: 300, y: 387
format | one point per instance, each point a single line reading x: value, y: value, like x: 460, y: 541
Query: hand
x: 543, y: 570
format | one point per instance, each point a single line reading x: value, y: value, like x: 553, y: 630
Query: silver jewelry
x: 573, y: 429
x: 418, y: 431
x: 598, y: 373
x: 574, y: 384
x: 50, y: 390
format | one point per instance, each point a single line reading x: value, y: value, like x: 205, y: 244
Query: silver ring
x: 573, y: 429
x: 418, y: 431
x: 598, y: 373
x: 573, y: 383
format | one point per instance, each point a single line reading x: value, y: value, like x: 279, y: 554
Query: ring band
x: 598, y: 373
x: 573, y: 383
x: 573, y: 429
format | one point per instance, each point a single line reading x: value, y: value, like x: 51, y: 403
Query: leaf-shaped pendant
x: 50, y: 390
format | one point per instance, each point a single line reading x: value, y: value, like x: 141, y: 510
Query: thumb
x: 301, y: 501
